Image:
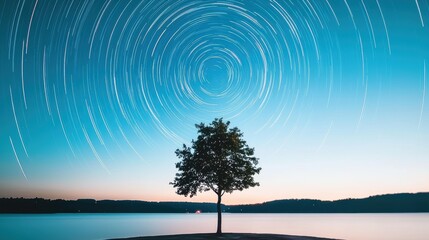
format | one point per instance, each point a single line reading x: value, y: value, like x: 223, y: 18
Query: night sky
x: 97, y: 95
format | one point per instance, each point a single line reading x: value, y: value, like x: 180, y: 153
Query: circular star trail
x: 95, y: 78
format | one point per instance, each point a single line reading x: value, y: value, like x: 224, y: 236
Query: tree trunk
x: 219, y: 215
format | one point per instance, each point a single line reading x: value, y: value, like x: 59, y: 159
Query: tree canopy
x: 218, y: 160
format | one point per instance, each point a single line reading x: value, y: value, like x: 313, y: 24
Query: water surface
x: 412, y: 226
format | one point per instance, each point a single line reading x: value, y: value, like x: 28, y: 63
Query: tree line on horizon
x: 390, y: 203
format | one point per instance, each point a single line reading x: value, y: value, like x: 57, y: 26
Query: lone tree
x: 219, y: 160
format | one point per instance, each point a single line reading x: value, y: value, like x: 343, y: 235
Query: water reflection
x: 102, y: 226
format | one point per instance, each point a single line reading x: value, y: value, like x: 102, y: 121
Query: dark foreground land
x: 240, y: 236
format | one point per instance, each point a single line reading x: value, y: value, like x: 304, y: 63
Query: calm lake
x: 410, y: 226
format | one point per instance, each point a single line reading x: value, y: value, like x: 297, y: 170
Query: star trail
x: 101, y: 93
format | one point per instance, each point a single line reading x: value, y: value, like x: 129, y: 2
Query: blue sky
x: 97, y: 95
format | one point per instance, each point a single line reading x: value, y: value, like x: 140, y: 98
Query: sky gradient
x: 97, y: 95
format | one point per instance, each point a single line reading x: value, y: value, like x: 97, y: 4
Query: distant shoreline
x: 235, y: 236
x: 389, y: 203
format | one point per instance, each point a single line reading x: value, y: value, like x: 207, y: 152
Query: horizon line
x: 377, y: 195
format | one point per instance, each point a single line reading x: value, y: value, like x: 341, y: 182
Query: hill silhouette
x: 389, y: 203
x: 400, y: 202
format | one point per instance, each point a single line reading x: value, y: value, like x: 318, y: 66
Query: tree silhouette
x: 219, y: 160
